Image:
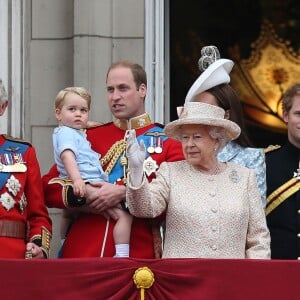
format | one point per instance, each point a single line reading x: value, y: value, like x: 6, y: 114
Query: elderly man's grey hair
x: 219, y: 134
x: 3, y: 94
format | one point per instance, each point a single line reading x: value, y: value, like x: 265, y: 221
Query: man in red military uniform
x: 91, y: 235
x: 25, y: 226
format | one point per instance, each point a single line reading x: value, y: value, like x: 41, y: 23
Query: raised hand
x: 135, y: 153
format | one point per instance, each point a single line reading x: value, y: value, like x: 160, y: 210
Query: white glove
x: 136, y: 155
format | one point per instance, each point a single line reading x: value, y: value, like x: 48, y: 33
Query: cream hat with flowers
x: 215, y: 71
x: 202, y: 114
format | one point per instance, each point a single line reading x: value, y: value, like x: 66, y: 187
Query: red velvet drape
x: 111, y: 278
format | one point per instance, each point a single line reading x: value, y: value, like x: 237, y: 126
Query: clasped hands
x: 102, y: 197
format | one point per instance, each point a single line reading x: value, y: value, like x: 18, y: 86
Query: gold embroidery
x: 281, y: 194
x: 113, y: 155
x: 134, y: 123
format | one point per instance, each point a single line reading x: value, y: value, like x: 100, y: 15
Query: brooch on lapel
x: 234, y: 177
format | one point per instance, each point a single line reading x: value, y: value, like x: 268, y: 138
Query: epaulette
x: 17, y: 140
x: 271, y: 148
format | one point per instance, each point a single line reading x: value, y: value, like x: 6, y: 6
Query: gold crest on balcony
x: 260, y: 81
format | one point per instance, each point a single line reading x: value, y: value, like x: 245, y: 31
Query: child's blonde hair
x: 80, y: 91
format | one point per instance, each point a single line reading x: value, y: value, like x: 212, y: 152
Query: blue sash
x: 117, y: 171
x: 9, y: 147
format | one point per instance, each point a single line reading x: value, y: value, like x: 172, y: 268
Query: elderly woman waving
x: 213, y: 209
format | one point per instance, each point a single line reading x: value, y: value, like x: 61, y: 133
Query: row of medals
x: 155, y: 145
x: 12, y: 162
x: 149, y: 165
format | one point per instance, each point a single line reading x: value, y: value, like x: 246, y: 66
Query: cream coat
x: 207, y: 216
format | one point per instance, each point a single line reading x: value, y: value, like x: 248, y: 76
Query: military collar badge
x: 133, y: 123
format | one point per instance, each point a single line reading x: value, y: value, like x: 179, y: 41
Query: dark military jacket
x: 284, y: 220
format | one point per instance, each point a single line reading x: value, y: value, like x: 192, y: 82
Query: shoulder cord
x: 113, y: 155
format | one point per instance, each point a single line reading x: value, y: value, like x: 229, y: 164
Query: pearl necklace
x: 216, y: 170
x: 213, y: 180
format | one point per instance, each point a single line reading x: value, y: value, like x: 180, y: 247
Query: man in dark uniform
x: 25, y: 226
x: 283, y: 184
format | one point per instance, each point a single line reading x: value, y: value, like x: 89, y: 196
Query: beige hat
x: 202, y: 114
x: 215, y: 72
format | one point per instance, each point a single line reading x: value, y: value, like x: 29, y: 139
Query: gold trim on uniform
x: 46, y: 240
x: 281, y: 194
x: 112, y: 155
x: 65, y: 183
x: 133, y: 123
x: 7, y: 201
x: 65, y: 195
x: 119, y: 147
x: 271, y: 148
x: 61, y: 181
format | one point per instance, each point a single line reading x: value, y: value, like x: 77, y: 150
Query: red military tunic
x: 23, y: 212
x: 92, y: 235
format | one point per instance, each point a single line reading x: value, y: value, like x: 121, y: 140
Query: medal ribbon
x: 9, y: 155
x: 117, y: 171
